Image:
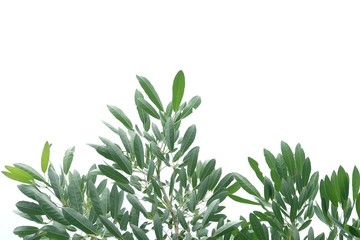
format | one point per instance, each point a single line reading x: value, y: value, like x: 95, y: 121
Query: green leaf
x: 116, y: 200
x: 118, y: 156
x: 134, y: 201
x: 288, y: 157
x: 214, y: 178
x: 343, y: 180
x: 23, y: 231
x: 28, y: 190
x: 299, y: 158
x: 139, y: 151
x: 156, y: 150
x: 144, y: 105
x: 150, y: 92
x: 191, y: 158
x: 203, y: 188
x: 110, y: 226
x: 68, y: 158
x: 113, y: 174
x: 78, y: 220
x: 30, y: 171
x: 125, y: 140
x: 156, y: 132
x: 120, y: 115
x: 268, y: 189
x: 247, y: 186
x: 286, y: 191
x: 34, y: 218
x: 126, y: 188
x: 138, y: 232
x: 55, y: 182
x: 210, y: 211
x: 242, y: 200
x: 355, y: 182
x: 221, y: 195
x: 293, y: 209
x: 178, y: 90
x: 55, y: 233
x: 157, y: 226
x: 270, y: 159
x: 277, y: 212
x: 95, y: 198
x: 181, y: 218
x: 233, y: 188
x: 208, y: 169
x: 194, y: 103
x: 188, y: 139
x: 225, y: 229
x: 255, y: 166
x: 51, y: 210
x: 358, y: 205
x: 45, y: 157
x: 170, y: 133
x: 305, y: 225
x: 330, y: 191
x: 257, y: 227
x: 75, y: 196
x: 354, y: 231
x: 18, y: 174
x: 306, y: 171
x: 29, y: 208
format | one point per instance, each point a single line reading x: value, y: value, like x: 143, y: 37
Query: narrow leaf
x: 257, y: 227
x: 55, y: 233
x: 170, y: 133
x: 193, y: 104
x: 157, y: 226
x: 355, y: 182
x: 242, y: 200
x: 247, y: 186
x: 144, y: 105
x: 120, y: 115
x: 75, y: 196
x: 110, y: 226
x: 150, y: 92
x: 35, y: 174
x: 134, y: 201
x: 50, y: 208
x: 95, y: 198
x: 23, y: 231
x: 78, y: 220
x: 138, y: 232
x: 210, y: 211
x: 188, y: 139
x: 45, y: 157
x: 191, y: 158
x: 139, y: 151
x: 113, y: 174
x: 255, y: 166
x: 181, y: 218
x: 68, y: 158
x: 29, y: 208
x: 225, y: 229
x: 288, y: 157
x: 55, y: 182
x: 178, y: 90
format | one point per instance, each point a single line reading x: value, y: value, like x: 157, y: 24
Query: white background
x: 266, y: 71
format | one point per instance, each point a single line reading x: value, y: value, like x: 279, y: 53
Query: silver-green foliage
x: 152, y: 183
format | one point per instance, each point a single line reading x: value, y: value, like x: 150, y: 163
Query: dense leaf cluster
x: 152, y: 185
